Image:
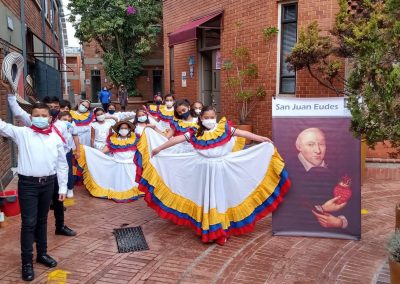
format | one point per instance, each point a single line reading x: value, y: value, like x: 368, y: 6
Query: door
x: 157, y: 81
x: 210, y: 79
x: 96, y: 84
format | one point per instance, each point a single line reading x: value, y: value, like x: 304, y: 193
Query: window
x: 288, y: 35
x: 171, y: 70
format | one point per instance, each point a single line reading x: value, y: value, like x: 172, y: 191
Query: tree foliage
x: 126, y: 30
x: 370, y: 39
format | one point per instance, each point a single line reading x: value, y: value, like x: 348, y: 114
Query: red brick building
x: 200, y: 35
x: 75, y: 77
x: 32, y: 28
x: 147, y: 84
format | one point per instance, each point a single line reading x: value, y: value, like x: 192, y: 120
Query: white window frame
x: 278, y: 53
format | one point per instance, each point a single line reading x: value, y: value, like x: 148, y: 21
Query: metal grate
x: 130, y: 239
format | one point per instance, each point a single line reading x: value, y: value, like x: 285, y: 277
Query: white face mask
x: 101, y: 117
x: 169, y: 104
x: 82, y: 108
x: 209, y: 123
x: 123, y: 132
x: 197, y: 111
x: 142, y: 118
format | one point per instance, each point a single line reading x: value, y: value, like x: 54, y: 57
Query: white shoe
x: 70, y: 193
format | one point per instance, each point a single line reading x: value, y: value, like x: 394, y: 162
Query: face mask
x: 185, y: 115
x: 68, y: 124
x: 54, y: 112
x: 169, y: 104
x: 101, y: 117
x: 111, y: 111
x: 209, y: 123
x: 142, y: 118
x: 82, y: 108
x: 40, y: 122
x: 158, y: 103
x: 197, y: 111
x: 123, y: 132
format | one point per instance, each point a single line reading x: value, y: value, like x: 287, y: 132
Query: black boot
x: 27, y: 272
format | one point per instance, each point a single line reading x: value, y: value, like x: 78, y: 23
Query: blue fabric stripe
x: 205, y: 143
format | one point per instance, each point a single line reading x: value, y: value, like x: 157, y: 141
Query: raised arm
x: 251, y: 136
x: 18, y: 112
x: 9, y: 130
x: 171, y: 142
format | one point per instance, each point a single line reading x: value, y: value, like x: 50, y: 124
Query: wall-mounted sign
x: 191, y: 71
x: 184, y: 80
x: 10, y: 23
x: 218, y: 60
x: 87, y: 82
x: 191, y: 60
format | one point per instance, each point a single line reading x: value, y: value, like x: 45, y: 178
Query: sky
x: 72, y: 41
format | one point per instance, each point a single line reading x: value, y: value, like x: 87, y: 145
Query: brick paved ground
x: 177, y: 256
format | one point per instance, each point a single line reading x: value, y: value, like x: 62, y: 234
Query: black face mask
x: 111, y: 111
x: 158, y: 103
x: 54, y: 112
x: 185, y: 115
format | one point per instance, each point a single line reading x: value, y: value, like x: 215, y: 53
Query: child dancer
x: 183, y: 120
x: 100, y: 129
x: 83, y: 118
x: 164, y: 113
x: 112, y: 176
x: 195, y: 110
x: 111, y: 114
x: 142, y: 121
x: 226, y: 192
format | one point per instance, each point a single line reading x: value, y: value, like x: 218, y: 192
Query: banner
x: 323, y: 160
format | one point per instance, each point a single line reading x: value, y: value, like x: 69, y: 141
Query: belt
x: 37, y: 179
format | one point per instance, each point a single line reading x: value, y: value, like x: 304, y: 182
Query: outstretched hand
x: 155, y: 152
x: 327, y: 220
x: 266, y: 139
x: 4, y: 84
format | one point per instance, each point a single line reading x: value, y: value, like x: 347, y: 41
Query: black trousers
x: 34, y: 199
x: 105, y: 106
x: 58, y: 207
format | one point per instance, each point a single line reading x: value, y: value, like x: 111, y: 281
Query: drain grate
x: 130, y: 239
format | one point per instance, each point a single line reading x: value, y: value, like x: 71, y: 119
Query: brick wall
x: 254, y: 16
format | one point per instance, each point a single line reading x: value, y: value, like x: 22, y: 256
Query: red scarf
x: 48, y: 130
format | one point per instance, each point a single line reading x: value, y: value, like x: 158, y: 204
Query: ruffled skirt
x: 215, y: 196
x: 107, y: 177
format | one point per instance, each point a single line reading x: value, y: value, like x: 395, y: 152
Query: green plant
x: 393, y: 246
x: 370, y: 42
x: 242, y: 75
x: 126, y: 31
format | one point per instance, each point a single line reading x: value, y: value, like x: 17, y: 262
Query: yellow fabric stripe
x: 98, y: 191
x: 184, y: 205
x: 216, y: 133
x: 239, y: 144
x: 122, y: 142
x: 79, y: 116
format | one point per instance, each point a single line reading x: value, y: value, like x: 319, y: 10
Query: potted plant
x: 394, y: 256
x: 242, y: 77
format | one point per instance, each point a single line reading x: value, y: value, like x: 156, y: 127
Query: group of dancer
x: 191, y: 168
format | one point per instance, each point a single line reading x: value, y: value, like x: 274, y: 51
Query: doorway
x: 157, y: 81
x: 210, y: 78
x: 96, y: 84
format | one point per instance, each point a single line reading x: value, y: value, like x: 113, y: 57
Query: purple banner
x: 323, y: 161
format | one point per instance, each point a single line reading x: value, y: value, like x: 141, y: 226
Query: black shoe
x: 46, y: 260
x: 65, y: 231
x: 27, y: 272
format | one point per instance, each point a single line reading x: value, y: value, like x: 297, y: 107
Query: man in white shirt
x: 41, y: 161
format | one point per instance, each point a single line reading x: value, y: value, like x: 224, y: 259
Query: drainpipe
x: 23, y: 37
